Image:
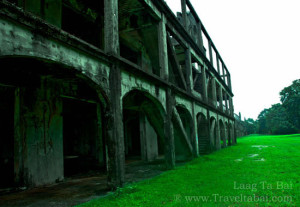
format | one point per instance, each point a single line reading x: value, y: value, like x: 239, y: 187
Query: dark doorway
x: 132, y: 135
x: 82, y: 143
x: 6, y: 137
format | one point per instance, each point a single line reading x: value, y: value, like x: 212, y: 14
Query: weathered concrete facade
x: 87, y: 85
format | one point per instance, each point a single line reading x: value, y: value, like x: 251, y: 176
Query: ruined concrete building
x: 86, y: 85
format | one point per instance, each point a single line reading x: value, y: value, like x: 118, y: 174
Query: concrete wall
x: 67, y: 61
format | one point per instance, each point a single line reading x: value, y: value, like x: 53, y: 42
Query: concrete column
x: 200, y: 39
x: 194, y: 133
x: 111, y: 27
x: 183, y: 11
x: 204, y: 83
x: 218, y: 138
x: 225, y: 138
x: 115, y: 134
x: 218, y: 64
x: 149, y: 147
x: 234, y: 135
x: 210, y: 52
x: 189, y: 74
x: 223, y: 70
x: 212, y: 134
x: 231, y: 106
x: 229, y: 81
x: 221, y: 97
x: 163, y: 48
x: 214, y: 91
x: 169, y: 133
x: 226, y: 101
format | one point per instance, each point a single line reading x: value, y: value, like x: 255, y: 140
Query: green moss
x: 220, y: 178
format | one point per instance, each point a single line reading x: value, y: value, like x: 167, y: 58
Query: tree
x: 290, y: 99
x: 262, y: 123
x: 277, y: 121
x: 250, y: 125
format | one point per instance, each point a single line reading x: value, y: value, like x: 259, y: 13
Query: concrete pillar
x: 220, y: 91
x: 226, y: 102
x: 163, y: 48
x: 214, y: 91
x: 231, y: 106
x: 218, y: 64
x: 204, y: 84
x: 211, y: 133
x: 149, y: 146
x: 189, y: 74
x: 229, y: 81
x: 218, y: 138
x: 200, y: 39
x: 111, y: 27
x: 168, y: 130
x: 183, y: 11
x: 115, y: 133
x: 223, y: 70
x: 194, y: 133
x: 225, y: 138
x: 210, y: 52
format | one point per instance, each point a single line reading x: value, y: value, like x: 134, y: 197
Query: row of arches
x: 56, y: 125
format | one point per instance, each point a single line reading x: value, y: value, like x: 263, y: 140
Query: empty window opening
x: 85, y: 20
x: 138, y: 32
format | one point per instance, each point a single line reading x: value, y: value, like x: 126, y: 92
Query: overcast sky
x: 259, y: 41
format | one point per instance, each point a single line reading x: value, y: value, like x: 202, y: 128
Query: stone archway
x: 203, y: 134
x: 222, y: 133
x: 143, y: 121
x: 183, y: 133
x: 57, y: 120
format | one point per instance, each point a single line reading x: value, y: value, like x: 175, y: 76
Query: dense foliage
x: 281, y: 118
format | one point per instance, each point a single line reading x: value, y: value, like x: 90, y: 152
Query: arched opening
x: 203, y: 134
x: 54, y: 122
x: 143, y: 121
x: 213, y: 133
x: 183, y: 132
x: 222, y: 134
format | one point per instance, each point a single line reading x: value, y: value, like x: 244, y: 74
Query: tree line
x: 280, y: 118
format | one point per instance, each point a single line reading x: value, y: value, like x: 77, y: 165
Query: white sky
x: 259, y: 41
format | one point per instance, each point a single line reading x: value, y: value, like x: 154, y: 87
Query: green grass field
x: 258, y: 171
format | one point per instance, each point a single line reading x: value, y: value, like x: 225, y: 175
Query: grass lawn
x: 258, y: 171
